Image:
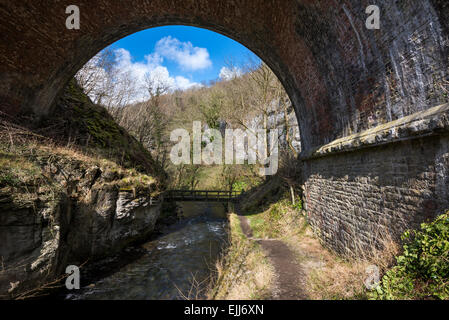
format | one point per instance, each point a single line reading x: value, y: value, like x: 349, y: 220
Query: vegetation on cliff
x: 78, y: 134
x: 77, y: 122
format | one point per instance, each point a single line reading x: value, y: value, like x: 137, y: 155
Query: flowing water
x: 185, y: 251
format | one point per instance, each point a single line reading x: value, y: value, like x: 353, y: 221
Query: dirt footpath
x: 288, y: 272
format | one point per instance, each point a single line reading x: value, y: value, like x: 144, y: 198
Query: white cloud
x: 230, y: 73
x: 184, y: 53
x: 153, y: 68
x: 184, y: 83
x: 136, y: 69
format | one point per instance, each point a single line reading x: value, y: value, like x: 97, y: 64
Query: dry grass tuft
x: 243, y: 272
x: 330, y: 276
x: 336, y: 278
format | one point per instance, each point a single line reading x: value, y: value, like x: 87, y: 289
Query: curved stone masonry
x: 342, y: 78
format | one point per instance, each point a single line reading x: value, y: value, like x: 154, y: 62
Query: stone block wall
x: 356, y: 198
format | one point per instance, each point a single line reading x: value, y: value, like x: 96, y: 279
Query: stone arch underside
x: 342, y: 78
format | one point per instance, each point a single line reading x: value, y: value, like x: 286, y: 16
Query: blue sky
x: 184, y: 55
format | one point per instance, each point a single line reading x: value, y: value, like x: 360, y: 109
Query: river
x: 184, y: 251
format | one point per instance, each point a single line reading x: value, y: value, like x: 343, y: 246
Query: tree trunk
x: 292, y: 193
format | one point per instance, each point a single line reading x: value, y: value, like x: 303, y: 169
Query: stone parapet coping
x: 420, y: 124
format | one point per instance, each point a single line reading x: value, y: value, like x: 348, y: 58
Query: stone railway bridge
x: 370, y: 103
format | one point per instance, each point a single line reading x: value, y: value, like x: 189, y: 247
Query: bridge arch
x: 336, y: 72
x: 342, y: 79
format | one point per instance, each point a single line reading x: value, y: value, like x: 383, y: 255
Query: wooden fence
x: 202, y: 195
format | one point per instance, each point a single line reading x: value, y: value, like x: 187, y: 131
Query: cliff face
x: 64, y: 203
x: 61, y: 209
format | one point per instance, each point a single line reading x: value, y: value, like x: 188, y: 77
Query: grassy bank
x: 31, y: 155
x: 79, y: 125
x: 243, y: 271
x: 77, y: 135
x: 327, y: 276
x: 272, y: 215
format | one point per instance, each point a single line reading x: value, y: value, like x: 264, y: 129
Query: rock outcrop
x: 72, y: 210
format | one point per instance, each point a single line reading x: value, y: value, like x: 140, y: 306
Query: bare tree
x: 96, y: 76
x: 186, y: 176
x: 147, y: 121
